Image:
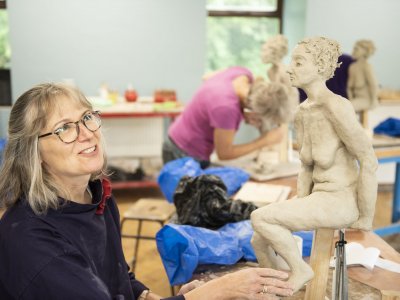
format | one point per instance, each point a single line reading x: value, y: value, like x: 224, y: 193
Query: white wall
x: 294, y: 20
x: 350, y: 20
x: 149, y: 43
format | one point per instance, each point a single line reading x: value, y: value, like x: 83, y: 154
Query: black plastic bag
x: 117, y: 174
x: 202, y: 201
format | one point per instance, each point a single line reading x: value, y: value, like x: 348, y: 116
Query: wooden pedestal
x: 319, y: 261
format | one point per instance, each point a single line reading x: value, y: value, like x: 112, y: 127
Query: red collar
x: 106, y: 184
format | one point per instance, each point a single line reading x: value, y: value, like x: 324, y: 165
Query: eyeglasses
x: 69, y: 132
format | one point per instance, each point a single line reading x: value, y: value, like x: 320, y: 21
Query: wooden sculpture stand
x: 319, y: 261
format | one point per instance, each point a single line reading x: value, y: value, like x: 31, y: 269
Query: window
x: 236, y: 30
x: 5, y: 56
x: 4, y: 44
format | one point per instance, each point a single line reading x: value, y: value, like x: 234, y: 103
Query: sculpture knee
x: 260, y: 220
x: 256, y: 218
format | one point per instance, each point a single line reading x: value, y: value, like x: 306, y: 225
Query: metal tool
x: 340, y: 281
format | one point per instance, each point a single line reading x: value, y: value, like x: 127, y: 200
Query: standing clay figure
x: 273, y: 51
x: 362, y: 87
x: 336, y: 186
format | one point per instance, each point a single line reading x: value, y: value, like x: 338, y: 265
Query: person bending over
x: 211, y: 119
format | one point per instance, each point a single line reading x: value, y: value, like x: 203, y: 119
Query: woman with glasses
x: 60, y: 236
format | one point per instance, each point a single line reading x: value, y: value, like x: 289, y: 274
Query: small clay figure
x: 362, y: 87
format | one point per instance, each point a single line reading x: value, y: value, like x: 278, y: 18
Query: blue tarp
x: 390, y: 126
x: 3, y: 142
x: 173, y: 171
x: 182, y: 247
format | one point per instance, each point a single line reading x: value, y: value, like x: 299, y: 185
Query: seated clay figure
x: 362, y: 87
x: 337, y: 185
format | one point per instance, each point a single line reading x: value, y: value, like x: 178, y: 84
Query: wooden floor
x: 149, y: 268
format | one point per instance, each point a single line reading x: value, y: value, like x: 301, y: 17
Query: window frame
x: 278, y: 13
x: 3, y: 4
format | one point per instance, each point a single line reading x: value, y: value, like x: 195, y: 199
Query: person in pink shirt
x: 212, y: 118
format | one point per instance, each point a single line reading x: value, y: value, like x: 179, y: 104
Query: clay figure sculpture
x: 337, y: 185
x: 362, y: 87
x: 273, y: 51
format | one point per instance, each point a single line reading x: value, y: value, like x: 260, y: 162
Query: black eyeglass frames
x: 69, y: 132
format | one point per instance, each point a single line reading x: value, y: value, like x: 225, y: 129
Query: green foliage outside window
x: 5, y: 51
x: 237, y: 41
x: 254, y: 5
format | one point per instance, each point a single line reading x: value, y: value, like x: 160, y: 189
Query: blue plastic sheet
x: 173, y: 171
x: 233, y: 178
x: 182, y: 247
x: 390, y: 126
x: 3, y: 142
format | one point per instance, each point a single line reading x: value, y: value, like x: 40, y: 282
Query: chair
x: 149, y: 210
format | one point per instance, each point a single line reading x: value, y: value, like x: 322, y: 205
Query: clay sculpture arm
x: 358, y: 145
x: 304, y: 179
x: 372, y: 83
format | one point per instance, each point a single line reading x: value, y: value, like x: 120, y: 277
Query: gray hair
x: 325, y: 52
x: 22, y: 174
x: 271, y: 101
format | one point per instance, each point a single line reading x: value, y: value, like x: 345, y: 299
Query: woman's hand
x: 250, y: 283
x: 190, y: 286
x: 272, y: 136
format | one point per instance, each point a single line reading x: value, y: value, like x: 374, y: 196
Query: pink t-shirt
x: 214, y: 105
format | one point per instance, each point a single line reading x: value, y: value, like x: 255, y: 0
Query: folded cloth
x: 390, y: 126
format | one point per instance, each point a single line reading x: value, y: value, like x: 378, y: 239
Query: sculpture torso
x: 334, y: 168
x: 358, y: 80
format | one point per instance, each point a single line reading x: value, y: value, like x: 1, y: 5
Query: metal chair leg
x: 136, y: 250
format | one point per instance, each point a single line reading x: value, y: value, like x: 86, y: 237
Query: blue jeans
x: 170, y: 151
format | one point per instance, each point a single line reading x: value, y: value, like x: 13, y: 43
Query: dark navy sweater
x: 74, y: 252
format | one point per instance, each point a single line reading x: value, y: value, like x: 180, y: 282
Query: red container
x: 131, y: 95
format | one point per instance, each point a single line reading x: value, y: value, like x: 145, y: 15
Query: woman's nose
x: 84, y: 133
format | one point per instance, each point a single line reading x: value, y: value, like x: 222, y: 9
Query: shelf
x: 129, y: 134
x: 172, y: 114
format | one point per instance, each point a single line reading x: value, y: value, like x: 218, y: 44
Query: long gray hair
x: 22, y: 174
x: 271, y: 101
